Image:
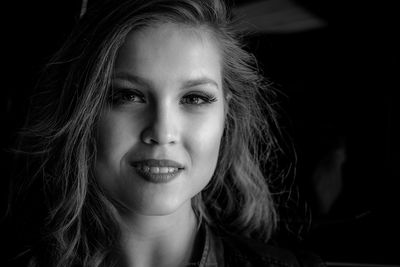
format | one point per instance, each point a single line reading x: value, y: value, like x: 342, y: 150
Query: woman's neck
x: 159, y: 240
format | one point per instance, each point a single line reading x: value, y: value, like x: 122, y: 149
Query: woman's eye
x: 198, y: 99
x: 125, y: 96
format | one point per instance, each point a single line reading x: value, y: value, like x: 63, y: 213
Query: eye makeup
x: 120, y: 96
x: 198, y: 98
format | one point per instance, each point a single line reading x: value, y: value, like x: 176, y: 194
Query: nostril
x: 161, y: 127
x: 153, y: 136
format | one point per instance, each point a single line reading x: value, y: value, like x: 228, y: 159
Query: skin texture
x: 168, y: 103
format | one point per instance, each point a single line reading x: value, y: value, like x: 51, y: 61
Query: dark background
x: 340, y: 85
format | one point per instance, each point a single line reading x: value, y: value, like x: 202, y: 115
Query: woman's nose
x: 161, y: 128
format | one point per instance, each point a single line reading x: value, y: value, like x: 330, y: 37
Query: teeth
x: 158, y: 169
x: 172, y: 169
x: 154, y: 169
x: 164, y: 169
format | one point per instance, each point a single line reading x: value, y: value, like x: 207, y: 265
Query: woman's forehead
x: 168, y: 52
x: 198, y: 33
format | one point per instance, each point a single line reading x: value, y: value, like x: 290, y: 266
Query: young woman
x: 153, y: 142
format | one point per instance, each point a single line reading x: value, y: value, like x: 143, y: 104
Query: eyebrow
x: 198, y: 82
x: 186, y: 84
x: 132, y: 78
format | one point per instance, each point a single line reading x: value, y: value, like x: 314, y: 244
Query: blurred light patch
x: 276, y: 16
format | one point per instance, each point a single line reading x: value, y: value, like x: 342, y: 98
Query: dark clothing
x: 225, y: 250
x: 234, y: 251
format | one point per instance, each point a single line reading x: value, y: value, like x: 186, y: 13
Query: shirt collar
x: 213, y: 253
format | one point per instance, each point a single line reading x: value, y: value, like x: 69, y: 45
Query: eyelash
x: 125, y: 96
x: 202, y: 96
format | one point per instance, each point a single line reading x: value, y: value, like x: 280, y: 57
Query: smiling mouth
x: 157, y: 171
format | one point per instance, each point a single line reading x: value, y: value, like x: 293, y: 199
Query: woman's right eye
x: 126, y: 96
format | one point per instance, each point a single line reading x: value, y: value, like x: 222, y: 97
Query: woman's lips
x: 157, y: 171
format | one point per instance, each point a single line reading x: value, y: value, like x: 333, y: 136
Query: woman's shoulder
x: 241, y: 251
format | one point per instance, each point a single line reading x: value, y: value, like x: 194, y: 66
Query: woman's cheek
x: 204, y: 133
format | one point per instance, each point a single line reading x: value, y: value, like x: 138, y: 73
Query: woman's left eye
x: 126, y: 96
x: 198, y: 99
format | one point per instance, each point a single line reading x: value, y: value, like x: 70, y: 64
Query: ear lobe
x: 228, y: 97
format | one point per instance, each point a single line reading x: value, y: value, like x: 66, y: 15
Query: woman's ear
x: 227, y: 98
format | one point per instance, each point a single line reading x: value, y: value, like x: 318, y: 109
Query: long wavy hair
x: 58, y: 143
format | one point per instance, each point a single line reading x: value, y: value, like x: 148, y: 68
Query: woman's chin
x: 162, y: 207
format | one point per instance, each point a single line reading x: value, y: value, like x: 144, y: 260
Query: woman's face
x: 158, y: 143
